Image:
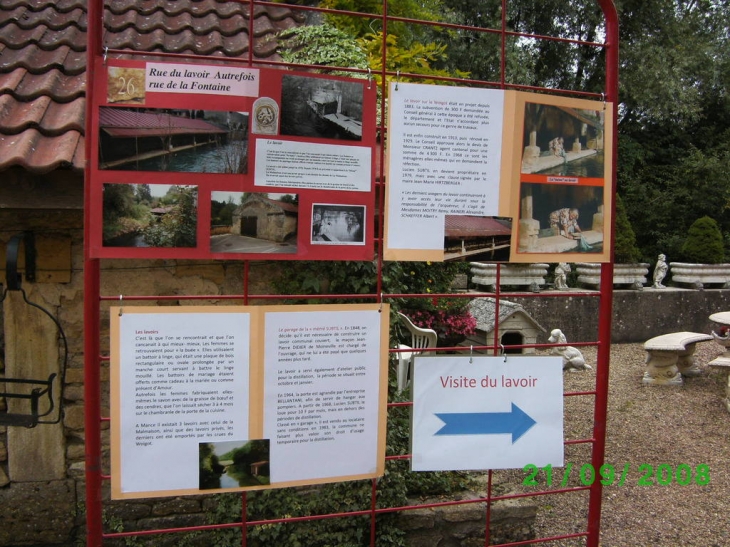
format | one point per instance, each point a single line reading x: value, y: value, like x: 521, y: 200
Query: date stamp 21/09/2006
x: 649, y: 475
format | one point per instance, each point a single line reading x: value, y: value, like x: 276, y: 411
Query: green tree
x: 221, y: 213
x: 624, y: 248
x: 176, y: 228
x: 323, y: 45
x: 704, y: 243
x: 143, y: 194
x: 118, y: 201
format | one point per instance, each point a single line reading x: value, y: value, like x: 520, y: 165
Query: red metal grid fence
x: 96, y: 354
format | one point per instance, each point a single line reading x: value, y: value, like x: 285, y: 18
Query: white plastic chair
x: 420, y: 339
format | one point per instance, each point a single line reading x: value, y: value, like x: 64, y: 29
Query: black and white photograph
x: 338, y: 224
x: 253, y: 222
x: 188, y: 141
x: 320, y: 107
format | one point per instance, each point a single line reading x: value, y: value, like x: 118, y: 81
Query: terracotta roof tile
x: 46, y: 38
x: 23, y: 85
x: 466, y: 226
x: 38, y: 5
x: 43, y: 61
x: 39, y: 153
x: 49, y: 17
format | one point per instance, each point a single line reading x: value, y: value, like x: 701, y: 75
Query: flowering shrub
x: 447, y: 322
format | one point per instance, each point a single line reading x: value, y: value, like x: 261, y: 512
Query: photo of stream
x: 233, y: 464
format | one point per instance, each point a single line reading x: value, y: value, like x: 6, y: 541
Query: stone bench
x: 669, y: 357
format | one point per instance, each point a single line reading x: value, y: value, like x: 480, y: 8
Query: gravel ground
x: 646, y: 425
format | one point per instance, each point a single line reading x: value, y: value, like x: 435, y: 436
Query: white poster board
x: 230, y: 398
x: 184, y: 380
x: 444, y: 150
x: 321, y: 393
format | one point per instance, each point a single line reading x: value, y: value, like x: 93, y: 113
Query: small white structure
x: 722, y: 362
x: 561, y: 275
x: 660, y: 272
x: 516, y: 326
x: 420, y: 339
x: 573, y: 359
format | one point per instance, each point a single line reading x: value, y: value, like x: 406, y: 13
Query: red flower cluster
x: 446, y: 323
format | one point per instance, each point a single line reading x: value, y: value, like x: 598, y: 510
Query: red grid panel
x: 94, y: 300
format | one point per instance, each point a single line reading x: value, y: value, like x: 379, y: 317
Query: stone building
x: 265, y: 218
x: 43, y: 77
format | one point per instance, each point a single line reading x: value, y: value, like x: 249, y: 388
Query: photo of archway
x: 253, y: 222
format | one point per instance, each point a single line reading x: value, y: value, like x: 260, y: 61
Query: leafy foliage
x: 322, y: 45
x: 178, y: 227
x: 625, y: 249
x: 704, y: 244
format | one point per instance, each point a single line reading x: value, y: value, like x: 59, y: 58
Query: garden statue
x: 573, y: 359
x: 561, y: 271
x: 660, y: 271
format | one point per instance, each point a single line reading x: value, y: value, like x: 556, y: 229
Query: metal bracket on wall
x: 30, y: 390
x: 12, y: 276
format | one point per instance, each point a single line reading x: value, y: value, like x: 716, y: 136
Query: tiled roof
x: 472, y: 226
x: 43, y: 61
x: 483, y: 310
x: 123, y: 123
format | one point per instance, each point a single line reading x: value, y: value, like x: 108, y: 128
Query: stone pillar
x: 529, y: 228
x: 598, y: 220
x: 661, y: 368
x: 32, y: 352
x: 532, y: 151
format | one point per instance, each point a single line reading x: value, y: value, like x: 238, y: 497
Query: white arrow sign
x: 473, y: 413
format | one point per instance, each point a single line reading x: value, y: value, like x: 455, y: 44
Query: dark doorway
x: 512, y: 339
x: 248, y: 226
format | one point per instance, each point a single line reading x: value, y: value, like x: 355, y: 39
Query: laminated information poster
x: 492, y: 175
x: 230, y: 162
x: 235, y: 398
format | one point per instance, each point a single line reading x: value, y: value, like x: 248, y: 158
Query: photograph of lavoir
x: 191, y: 141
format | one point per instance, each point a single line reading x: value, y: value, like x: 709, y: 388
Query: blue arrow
x: 516, y: 422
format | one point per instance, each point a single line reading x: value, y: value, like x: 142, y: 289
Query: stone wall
x: 463, y: 525
x: 637, y: 315
x: 42, y: 469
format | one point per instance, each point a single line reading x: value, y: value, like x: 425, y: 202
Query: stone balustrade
x: 484, y: 275
x: 631, y: 275
x: 700, y: 275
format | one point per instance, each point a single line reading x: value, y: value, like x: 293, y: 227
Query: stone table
x: 722, y: 362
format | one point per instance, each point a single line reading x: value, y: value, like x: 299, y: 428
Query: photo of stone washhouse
x: 265, y: 218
